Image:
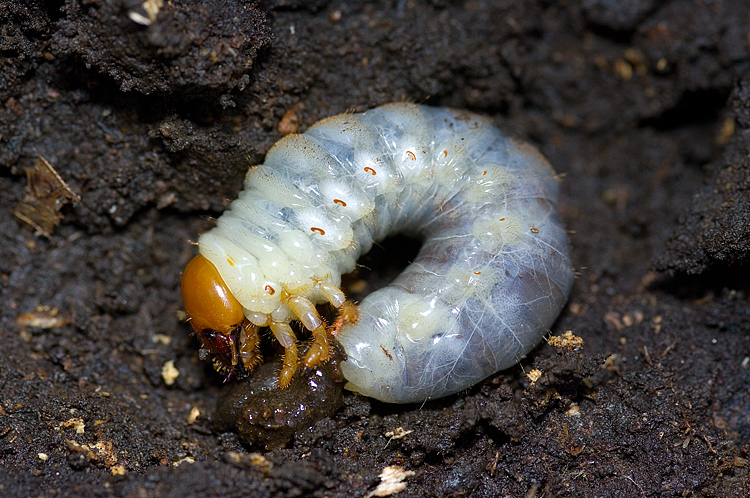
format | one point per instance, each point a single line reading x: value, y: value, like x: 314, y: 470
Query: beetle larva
x: 490, y: 278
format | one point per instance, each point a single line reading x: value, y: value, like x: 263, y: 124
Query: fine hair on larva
x: 491, y: 277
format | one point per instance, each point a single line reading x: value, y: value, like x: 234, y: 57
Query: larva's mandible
x: 491, y: 277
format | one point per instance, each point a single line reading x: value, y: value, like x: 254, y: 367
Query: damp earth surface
x: 126, y: 126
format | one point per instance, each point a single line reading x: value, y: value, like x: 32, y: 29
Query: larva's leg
x: 250, y: 346
x: 320, y: 350
x: 333, y: 294
x: 283, y: 333
x: 288, y: 339
x: 289, y: 366
x: 348, y: 313
x: 305, y: 311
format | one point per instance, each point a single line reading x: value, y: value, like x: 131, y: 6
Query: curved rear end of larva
x: 491, y: 277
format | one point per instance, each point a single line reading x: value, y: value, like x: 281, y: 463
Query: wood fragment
x: 46, y: 194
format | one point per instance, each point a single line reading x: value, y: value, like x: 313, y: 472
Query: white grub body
x: 492, y: 274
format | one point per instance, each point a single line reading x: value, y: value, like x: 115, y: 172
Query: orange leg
x: 289, y: 366
x: 250, y: 346
x: 320, y: 350
x: 348, y: 313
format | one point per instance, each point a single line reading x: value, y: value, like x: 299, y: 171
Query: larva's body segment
x: 491, y: 277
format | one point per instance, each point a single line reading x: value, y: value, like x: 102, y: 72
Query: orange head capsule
x: 214, y: 312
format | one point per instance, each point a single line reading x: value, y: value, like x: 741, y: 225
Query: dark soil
x: 153, y: 116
